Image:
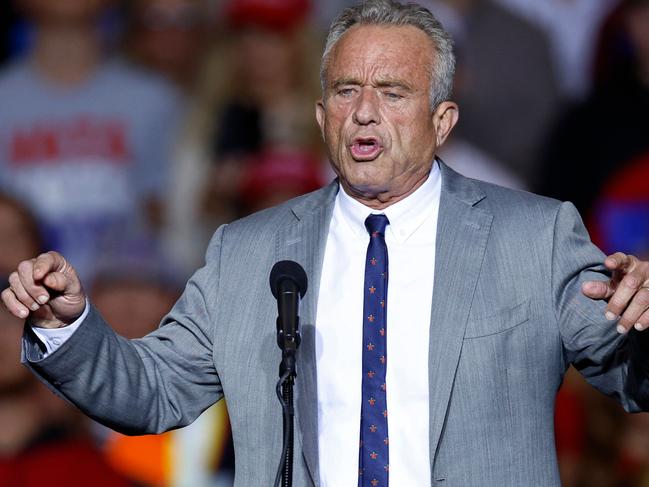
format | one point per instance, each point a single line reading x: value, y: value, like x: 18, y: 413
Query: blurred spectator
x: 572, y: 27
x: 462, y: 155
x: 170, y: 37
x: 608, y: 130
x: 133, y: 292
x: 19, y: 240
x: 42, y: 438
x: 179, y: 40
x: 42, y: 441
x: 135, y: 285
x: 272, y: 90
x: 257, y: 93
x: 507, y: 90
x: 84, y: 141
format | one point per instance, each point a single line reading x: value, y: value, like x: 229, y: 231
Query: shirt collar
x: 405, y: 216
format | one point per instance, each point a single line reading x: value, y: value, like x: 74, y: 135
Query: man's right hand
x: 47, y: 287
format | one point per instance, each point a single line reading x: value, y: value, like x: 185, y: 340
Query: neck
x: 66, y: 55
x: 381, y: 200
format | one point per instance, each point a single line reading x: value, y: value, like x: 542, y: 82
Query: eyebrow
x: 344, y: 81
x: 383, y: 83
x: 394, y: 83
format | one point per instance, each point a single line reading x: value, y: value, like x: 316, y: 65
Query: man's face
x: 375, y: 116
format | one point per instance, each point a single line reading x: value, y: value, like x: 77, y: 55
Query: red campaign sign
x: 56, y: 140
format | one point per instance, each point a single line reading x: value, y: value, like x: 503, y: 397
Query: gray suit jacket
x: 508, y: 317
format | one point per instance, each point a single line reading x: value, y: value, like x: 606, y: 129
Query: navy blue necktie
x: 373, y: 458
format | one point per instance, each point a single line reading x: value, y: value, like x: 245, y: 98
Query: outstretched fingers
x: 637, y: 312
x: 626, y: 293
x: 630, y: 298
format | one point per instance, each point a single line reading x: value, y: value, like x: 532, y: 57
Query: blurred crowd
x: 129, y: 130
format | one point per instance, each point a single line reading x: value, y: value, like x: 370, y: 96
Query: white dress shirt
x: 53, y: 338
x: 410, y: 238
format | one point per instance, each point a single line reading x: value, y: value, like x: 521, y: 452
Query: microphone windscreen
x: 288, y: 269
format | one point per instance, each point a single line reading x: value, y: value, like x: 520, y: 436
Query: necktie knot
x: 376, y: 224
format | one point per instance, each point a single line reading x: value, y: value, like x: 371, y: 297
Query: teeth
x: 366, y: 147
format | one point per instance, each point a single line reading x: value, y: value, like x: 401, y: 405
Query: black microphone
x: 288, y: 283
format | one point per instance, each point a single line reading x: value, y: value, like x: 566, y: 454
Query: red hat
x: 273, y: 14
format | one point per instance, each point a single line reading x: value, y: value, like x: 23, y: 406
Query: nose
x: 366, y: 111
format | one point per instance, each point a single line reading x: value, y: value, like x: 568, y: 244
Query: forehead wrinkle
x: 373, y: 55
x: 380, y: 72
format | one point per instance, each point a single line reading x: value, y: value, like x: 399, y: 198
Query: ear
x: 320, y: 115
x: 445, y: 116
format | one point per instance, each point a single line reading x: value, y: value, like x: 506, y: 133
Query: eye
x: 392, y: 96
x: 346, y: 92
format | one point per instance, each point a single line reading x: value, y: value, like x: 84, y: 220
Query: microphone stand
x: 287, y: 374
x: 288, y: 283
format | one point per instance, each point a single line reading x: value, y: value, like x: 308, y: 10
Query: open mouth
x: 365, y: 148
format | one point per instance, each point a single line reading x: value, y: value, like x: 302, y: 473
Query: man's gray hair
x: 393, y: 13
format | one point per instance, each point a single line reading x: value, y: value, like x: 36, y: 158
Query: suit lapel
x: 304, y: 242
x: 462, y: 233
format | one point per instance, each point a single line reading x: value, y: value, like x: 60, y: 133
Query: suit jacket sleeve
x: 615, y: 364
x: 149, y: 385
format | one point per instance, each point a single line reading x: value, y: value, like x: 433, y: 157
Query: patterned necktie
x: 373, y: 458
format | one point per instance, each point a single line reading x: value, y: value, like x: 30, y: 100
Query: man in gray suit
x: 493, y: 293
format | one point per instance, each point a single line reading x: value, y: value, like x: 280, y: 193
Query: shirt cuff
x: 54, y: 338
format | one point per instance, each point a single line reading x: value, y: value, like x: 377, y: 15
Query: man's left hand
x: 627, y: 292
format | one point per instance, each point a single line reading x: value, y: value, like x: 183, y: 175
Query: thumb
x: 56, y: 281
x: 597, y: 289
